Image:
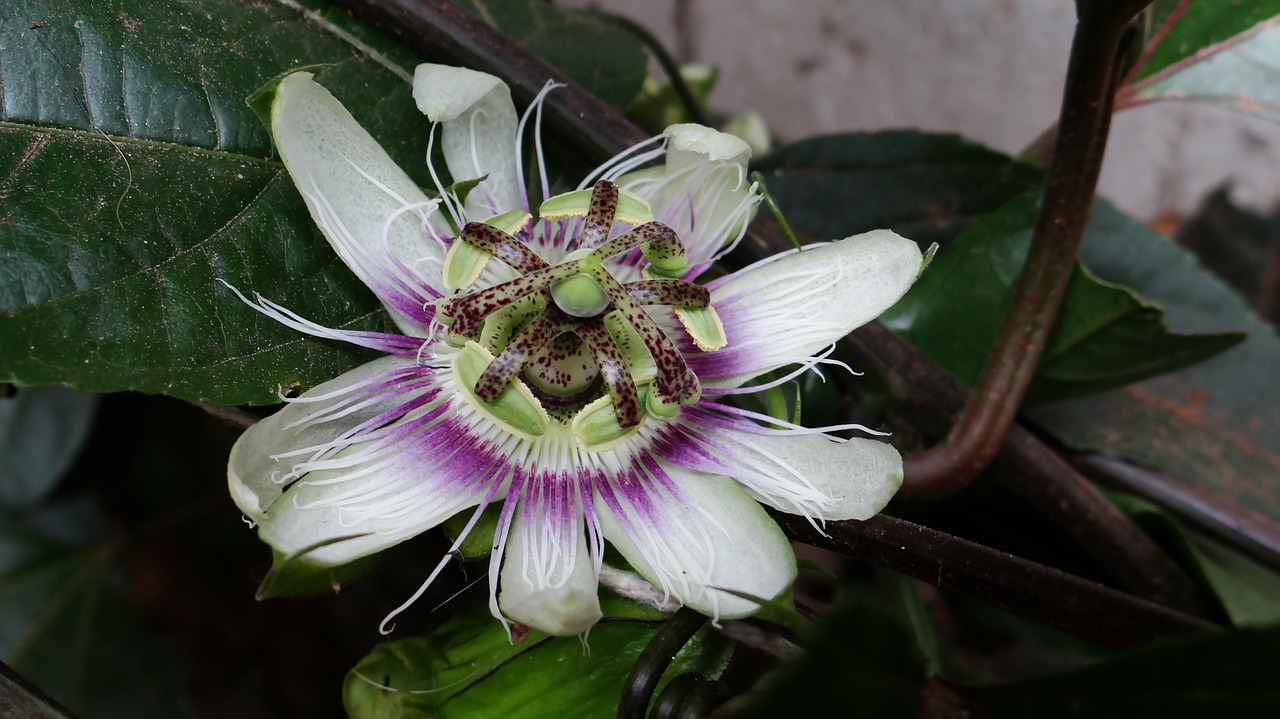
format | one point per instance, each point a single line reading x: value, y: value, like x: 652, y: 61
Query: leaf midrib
x: 102, y: 136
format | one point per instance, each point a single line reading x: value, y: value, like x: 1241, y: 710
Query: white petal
x: 690, y: 143
x: 369, y: 459
x: 309, y: 515
x: 712, y: 537
x: 789, y: 307
x: 555, y: 591
x: 479, y: 135
x: 372, y: 213
x: 251, y: 466
x: 701, y: 192
x: 852, y: 479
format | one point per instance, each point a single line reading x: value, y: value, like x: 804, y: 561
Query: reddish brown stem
x: 1060, y: 600
x: 1072, y: 178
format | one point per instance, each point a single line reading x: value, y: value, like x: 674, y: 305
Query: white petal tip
x: 715, y: 145
x: 444, y: 93
x: 561, y: 612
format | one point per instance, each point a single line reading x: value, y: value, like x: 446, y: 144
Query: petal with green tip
x: 479, y: 133
x: 376, y: 218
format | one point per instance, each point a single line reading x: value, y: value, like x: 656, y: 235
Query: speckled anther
x: 580, y: 340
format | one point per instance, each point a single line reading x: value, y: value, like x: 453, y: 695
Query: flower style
x: 581, y: 383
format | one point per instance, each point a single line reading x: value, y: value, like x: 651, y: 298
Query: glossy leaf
x: 470, y: 668
x: 1104, y: 337
x: 65, y: 624
x: 1178, y: 33
x: 137, y: 177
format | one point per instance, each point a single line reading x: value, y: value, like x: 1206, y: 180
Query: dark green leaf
x: 1182, y: 31
x: 1213, y: 427
x: 1104, y: 337
x: 924, y: 186
x: 65, y: 624
x: 1228, y: 674
x: 594, y: 53
x: 136, y: 177
x: 1248, y: 591
x: 469, y: 668
x: 41, y: 430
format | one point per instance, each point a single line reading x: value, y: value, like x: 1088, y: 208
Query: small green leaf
x: 659, y: 106
x: 291, y: 575
x: 1248, y: 592
x: 1104, y: 336
x: 780, y: 610
x: 470, y: 668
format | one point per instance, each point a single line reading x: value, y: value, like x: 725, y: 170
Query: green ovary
x: 580, y: 296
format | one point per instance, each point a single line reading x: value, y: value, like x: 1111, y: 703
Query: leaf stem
x: 980, y: 428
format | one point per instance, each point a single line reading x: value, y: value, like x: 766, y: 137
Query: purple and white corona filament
x: 557, y: 359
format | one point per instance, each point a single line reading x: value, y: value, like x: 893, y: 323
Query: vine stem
x: 1072, y: 178
x: 1082, y: 608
